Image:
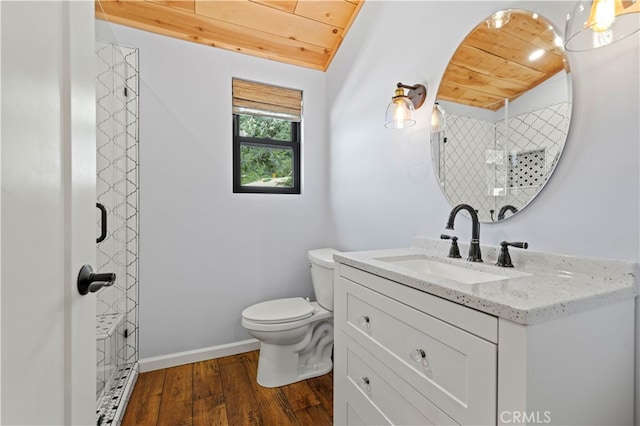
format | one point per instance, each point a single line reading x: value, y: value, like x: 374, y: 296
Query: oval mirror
x: 502, y: 114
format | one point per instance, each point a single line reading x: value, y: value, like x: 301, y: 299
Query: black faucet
x: 504, y: 209
x: 474, y: 245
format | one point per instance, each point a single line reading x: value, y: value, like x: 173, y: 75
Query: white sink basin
x: 425, y: 265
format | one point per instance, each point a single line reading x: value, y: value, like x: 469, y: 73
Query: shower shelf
x: 106, y: 324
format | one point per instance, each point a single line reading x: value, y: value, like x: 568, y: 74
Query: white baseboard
x: 188, y: 357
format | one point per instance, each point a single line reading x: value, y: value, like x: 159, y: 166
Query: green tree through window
x: 268, y: 151
x: 265, y: 165
x: 265, y: 127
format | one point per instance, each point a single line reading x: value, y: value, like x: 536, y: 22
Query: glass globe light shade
x: 399, y: 112
x: 498, y: 20
x: 598, y: 23
x: 438, y: 120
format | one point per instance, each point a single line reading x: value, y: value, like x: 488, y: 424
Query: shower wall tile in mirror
x: 117, y: 189
x: 489, y: 165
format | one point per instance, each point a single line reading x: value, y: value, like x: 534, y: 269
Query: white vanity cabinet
x: 404, y: 356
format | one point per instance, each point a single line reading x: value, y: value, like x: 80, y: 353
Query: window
x: 266, y: 138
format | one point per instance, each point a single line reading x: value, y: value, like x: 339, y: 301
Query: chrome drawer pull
x: 364, y: 321
x: 419, y: 355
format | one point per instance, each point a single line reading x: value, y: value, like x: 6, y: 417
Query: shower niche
x: 117, y: 193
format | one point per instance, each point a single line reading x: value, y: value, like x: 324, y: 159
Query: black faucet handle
x: 521, y: 245
x: 504, y: 258
x: 454, y: 251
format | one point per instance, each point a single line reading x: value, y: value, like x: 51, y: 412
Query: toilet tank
x: 321, y: 264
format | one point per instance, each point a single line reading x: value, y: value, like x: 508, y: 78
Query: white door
x: 47, y: 212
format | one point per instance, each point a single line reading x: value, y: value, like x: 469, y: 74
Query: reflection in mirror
x: 506, y: 96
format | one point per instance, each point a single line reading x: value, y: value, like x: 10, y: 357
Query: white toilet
x: 296, y: 335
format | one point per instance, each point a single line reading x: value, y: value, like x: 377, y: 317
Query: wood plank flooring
x: 224, y: 391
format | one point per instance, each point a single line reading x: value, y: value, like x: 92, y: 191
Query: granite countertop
x: 540, y: 287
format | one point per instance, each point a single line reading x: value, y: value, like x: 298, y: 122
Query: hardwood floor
x: 224, y: 391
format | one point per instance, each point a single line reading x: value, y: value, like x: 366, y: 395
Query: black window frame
x: 293, y: 144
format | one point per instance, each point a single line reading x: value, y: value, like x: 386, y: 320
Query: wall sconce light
x: 400, y: 111
x: 498, y: 20
x: 438, y: 120
x: 598, y: 23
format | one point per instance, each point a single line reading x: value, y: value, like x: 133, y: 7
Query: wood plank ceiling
x: 300, y: 32
x: 492, y: 65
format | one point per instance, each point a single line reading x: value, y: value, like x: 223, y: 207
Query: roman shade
x: 264, y: 99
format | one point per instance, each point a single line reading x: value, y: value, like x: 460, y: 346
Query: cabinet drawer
x: 454, y: 369
x: 379, y: 396
x: 475, y: 322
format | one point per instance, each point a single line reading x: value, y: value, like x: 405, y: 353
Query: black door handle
x: 89, y: 281
x: 103, y: 222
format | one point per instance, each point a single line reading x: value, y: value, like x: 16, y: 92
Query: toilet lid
x: 279, y: 310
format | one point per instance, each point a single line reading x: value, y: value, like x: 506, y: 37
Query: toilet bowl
x: 296, y: 335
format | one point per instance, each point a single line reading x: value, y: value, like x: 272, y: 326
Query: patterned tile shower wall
x: 462, y: 162
x: 534, y: 142
x: 117, y: 190
x: 489, y: 165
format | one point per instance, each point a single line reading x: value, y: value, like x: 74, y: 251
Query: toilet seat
x: 279, y: 311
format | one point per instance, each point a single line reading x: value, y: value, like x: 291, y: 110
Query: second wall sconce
x: 598, y: 23
x: 400, y: 111
x: 438, y: 120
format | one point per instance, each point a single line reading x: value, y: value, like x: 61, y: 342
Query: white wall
x: 206, y: 253
x: 382, y: 188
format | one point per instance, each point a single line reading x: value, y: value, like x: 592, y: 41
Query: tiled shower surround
x: 117, y: 189
x: 490, y: 165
